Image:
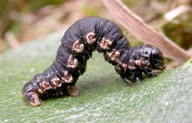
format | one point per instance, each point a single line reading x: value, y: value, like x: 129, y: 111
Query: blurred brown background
x: 24, y: 20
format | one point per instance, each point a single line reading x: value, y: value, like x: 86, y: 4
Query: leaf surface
x: 104, y: 97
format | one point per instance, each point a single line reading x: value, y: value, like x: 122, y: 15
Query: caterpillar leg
x: 137, y: 78
x: 150, y: 73
x: 32, y: 98
x: 72, y: 91
x: 126, y: 80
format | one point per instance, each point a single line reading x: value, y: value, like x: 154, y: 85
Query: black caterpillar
x: 77, y: 45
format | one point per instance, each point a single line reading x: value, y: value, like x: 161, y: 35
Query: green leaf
x: 104, y: 97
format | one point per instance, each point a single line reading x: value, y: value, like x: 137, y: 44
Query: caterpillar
x: 79, y: 41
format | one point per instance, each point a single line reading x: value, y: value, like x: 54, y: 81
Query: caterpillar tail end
x: 32, y: 98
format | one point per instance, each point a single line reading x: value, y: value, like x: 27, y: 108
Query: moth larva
x: 77, y: 45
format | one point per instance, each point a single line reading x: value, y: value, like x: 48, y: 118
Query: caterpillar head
x: 152, y: 57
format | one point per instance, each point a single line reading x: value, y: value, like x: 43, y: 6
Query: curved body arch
x: 79, y: 41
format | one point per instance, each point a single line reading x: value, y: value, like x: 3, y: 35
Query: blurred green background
x: 24, y: 20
